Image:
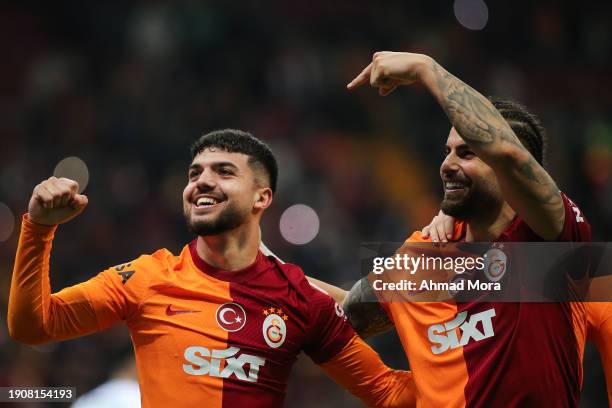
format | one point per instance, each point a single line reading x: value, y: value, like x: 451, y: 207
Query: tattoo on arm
x: 364, y: 312
x: 482, y: 126
x: 474, y: 117
x: 549, y: 192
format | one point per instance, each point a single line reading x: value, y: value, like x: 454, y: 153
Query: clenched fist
x: 56, y: 201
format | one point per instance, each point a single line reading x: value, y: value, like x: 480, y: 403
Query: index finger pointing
x: 360, y: 79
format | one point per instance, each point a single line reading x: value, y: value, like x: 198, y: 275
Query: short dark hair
x: 238, y: 141
x: 526, y: 126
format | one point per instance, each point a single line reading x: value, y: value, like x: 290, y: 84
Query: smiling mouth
x: 206, y: 202
x: 453, y: 187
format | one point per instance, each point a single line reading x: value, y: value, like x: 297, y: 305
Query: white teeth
x: 202, y: 201
x: 453, y: 186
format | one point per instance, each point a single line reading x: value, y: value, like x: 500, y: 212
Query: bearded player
x: 218, y: 325
x: 445, y: 228
x: 532, y: 354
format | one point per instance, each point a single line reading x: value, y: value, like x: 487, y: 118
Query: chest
x: 218, y: 322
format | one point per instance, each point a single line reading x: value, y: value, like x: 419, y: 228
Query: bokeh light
x: 7, y: 222
x: 299, y: 224
x: 472, y: 14
x: 75, y: 169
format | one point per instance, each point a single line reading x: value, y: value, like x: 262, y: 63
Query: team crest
x: 495, y: 264
x: 274, y: 328
x: 231, y: 317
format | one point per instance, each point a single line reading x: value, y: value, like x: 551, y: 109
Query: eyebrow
x: 462, y: 146
x: 215, y: 165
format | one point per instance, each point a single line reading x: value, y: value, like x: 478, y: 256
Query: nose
x: 206, y: 181
x: 449, y: 166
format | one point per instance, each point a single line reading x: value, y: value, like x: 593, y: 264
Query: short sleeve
x: 576, y: 228
x: 329, y: 330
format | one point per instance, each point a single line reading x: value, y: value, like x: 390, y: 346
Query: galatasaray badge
x: 274, y: 328
x: 495, y: 264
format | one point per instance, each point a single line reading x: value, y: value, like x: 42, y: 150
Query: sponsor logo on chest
x: 222, y: 363
x: 461, y: 330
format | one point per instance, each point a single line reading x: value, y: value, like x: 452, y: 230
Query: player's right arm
x: 35, y: 315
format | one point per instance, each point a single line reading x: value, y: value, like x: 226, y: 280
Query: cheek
x: 187, y: 193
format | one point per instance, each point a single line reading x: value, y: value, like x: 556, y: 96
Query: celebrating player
x: 599, y: 314
x: 218, y: 325
x: 493, y: 179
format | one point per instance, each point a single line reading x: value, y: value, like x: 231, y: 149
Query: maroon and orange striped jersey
x: 484, y: 354
x: 203, y: 336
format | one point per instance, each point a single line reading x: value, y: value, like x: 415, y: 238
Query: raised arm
x: 32, y: 313
x: 527, y: 187
x: 35, y: 315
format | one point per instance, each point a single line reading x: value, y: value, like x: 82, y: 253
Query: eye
x: 467, y: 154
x: 224, y: 171
x: 193, y: 174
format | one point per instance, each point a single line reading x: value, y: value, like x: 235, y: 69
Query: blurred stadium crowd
x: 127, y: 86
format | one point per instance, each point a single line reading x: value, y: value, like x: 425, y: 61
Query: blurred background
x: 113, y: 94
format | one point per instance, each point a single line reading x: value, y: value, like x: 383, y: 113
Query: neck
x: 489, y: 226
x: 232, y: 250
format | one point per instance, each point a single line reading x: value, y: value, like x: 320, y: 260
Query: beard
x: 230, y: 218
x: 475, y: 203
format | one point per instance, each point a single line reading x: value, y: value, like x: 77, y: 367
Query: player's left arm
x: 527, y: 187
x: 338, y: 294
x: 332, y: 344
x: 359, y: 370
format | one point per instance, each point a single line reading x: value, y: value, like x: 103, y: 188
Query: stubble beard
x: 229, y: 219
x: 474, y: 204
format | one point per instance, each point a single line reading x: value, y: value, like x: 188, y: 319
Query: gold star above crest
x: 285, y: 317
x: 265, y: 312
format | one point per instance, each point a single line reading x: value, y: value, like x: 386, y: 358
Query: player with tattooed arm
x: 493, y: 179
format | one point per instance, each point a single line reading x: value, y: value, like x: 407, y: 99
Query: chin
x: 456, y: 209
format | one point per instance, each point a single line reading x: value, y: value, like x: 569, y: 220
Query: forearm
x: 36, y: 316
x: 30, y: 287
x: 364, y: 311
x: 359, y: 370
x: 525, y: 184
x: 473, y: 116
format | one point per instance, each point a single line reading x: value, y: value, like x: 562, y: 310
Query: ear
x: 263, y: 198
